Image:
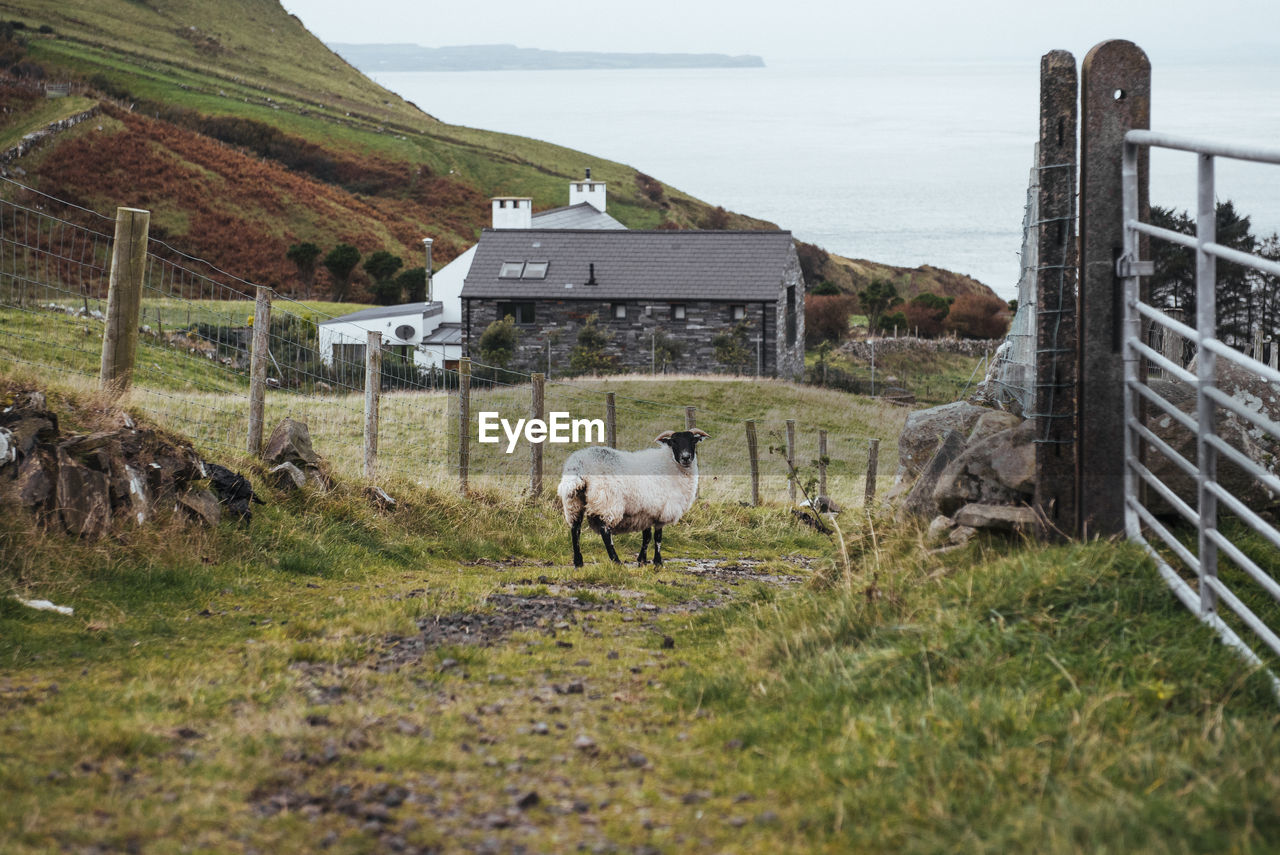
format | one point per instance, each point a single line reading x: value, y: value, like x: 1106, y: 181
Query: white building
x: 431, y: 332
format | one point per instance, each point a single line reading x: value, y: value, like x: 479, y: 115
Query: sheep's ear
x: 664, y: 436
x: 700, y: 434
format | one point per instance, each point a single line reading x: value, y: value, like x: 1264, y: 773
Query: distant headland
x: 406, y: 57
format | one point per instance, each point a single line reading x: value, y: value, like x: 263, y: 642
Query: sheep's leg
x: 643, y: 557
x: 607, y: 537
x: 575, y: 530
x: 657, y: 546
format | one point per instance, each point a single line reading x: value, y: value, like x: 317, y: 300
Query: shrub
x: 413, y: 283
x: 826, y: 318
x: 731, y: 349
x: 824, y: 289
x: 498, y: 342
x: 877, y: 299
x: 925, y: 314
x: 978, y: 316
x: 590, y: 355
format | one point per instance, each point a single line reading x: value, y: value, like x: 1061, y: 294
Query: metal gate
x: 1213, y: 502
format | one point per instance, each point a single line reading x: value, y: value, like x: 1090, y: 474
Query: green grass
x: 933, y: 377
x: 45, y: 112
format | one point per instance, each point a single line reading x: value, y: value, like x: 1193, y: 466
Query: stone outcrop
x: 290, y: 443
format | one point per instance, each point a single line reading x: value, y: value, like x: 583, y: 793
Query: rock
x: 997, y: 469
x: 379, y: 497
x: 962, y: 534
x: 287, y: 477
x: 37, y: 480
x: 234, y: 491
x: 201, y: 505
x: 939, y: 528
x: 991, y: 423
x: 529, y: 800
x: 584, y: 743
x: 8, y: 448
x: 920, y: 501
x: 83, y: 497
x: 924, y: 430
x: 291, y: 442
x: 1004, y: 517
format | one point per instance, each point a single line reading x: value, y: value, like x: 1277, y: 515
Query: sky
x: 982, y: 30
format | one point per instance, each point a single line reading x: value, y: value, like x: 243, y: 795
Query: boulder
x: 286, y: 477
x: 939, y: 527
x: 83, y: 497
x: 201, y: 506
x: 924, y: 428
x: 997, y: 469
x: 290, y: 442
x: 991, y: 423
x: 1006, y: 517
x: 8, y: 448
x: 920, y: 501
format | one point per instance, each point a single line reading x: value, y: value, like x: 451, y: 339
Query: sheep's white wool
x: 627, y: 490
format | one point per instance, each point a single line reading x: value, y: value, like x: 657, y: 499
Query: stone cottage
x: 644, y: 287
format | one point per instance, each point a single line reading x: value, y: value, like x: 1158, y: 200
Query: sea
x: 906, y: 164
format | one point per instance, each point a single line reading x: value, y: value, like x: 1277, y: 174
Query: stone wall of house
x: 558, y: 321
x: 788, y: 344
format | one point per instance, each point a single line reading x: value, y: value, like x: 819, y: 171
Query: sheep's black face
x: 683, y: 445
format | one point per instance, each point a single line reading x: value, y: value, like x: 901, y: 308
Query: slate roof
x: 426, y: 310
x: 448, y: 332
x: 630, y: 265
x: 580, y: 216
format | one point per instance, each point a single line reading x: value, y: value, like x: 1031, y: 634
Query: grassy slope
x: 227, y: 690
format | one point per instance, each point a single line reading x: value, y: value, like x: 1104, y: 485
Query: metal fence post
x: 791, y: 460
x: 873, y: 463
x: 1054, y: 387
x: 754, y: 459
x: 611, y: 419
x: 1206, y: 374
x: 464, y: 421
x: 258, y: 368
x: 124, y: 298
x: 1115, y: 98
x: 372, y: 393
x: 537, y: 410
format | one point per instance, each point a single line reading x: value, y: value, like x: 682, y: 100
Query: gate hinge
x: 1127, y: 267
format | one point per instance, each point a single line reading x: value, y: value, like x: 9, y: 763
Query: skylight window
x: 535, y: 270
x: 511, y: 270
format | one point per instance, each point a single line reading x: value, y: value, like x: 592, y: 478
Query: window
x: 739, y: 312
x: 791, y: 315
x: 620, y: 311
x: 521, y: 312
x: 677, y: 312
x: 511, y: 270
x: 535, y: 270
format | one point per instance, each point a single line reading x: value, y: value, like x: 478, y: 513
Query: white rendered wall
x: 446, y: 286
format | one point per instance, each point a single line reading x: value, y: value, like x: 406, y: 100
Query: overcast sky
x: 1169, y: 30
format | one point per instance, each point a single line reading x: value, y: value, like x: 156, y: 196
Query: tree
x: 876, y: 299
x: 730, y: 347
x: 340, y: 262
x: 824, y: 289
x: 381, y: 266
x: 304, y: 256
x: 926, y: 312
x: 666, y: 351
x: 413, y: 283
x: 590, y: 355
x: 826, y: 318
x: 498, y: 342
x: 978, y: 316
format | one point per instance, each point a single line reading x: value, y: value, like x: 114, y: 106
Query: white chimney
x: 510, y: 212
x: 586, y: 190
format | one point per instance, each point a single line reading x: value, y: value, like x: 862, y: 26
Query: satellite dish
x: 404, y: 332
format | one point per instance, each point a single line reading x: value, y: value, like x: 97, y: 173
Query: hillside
x: 244, y: 134
x: 410, y: 57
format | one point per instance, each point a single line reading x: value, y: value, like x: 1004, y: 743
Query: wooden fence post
x: 258, y: 368
x: 1054, y: 386
x: 754, y: 459
x: 124, y: 299
x: 690, y: 418
x: 372, y: 393
x: 791, y: 460
x: 537, y: 410
x: 610, y: 420
x: 822, y: 463
x: 873, y: 463
x: 1115, y: 97
x: 464, y: 421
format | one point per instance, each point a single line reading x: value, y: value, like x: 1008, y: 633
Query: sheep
x: 625, y: 491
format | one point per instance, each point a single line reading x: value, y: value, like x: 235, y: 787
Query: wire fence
x: 193, y: 373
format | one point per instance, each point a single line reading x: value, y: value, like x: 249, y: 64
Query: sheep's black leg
x: 643, y: 557
x: 657, y: 546
x: 607, y: 537
x: 575, y: 530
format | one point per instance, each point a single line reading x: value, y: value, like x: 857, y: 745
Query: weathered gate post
x: 258, y: 356
x: 124, y: 298
x: 1115, y: 98
x: 1054, y: 403
x: 372, y: 395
